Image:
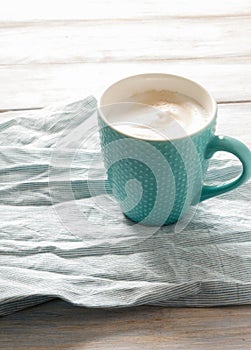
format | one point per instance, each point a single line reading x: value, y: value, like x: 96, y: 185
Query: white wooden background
x: 52, y: 51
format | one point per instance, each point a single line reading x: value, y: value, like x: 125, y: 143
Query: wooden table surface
x: 53, y: 51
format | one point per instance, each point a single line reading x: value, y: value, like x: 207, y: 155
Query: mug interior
x: 125, y: 88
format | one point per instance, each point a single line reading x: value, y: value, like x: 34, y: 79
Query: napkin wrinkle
x: 57, y: 241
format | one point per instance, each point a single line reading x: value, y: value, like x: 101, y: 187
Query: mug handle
x: 227, y: 144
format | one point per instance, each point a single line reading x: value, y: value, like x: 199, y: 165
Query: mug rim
x: 213, y: 114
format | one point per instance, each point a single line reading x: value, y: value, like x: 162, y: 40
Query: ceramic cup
x: 157, y: 181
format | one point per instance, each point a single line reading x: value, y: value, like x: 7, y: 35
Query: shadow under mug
x: 157, y: 181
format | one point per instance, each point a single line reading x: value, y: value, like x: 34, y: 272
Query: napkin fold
x: 63, y: 236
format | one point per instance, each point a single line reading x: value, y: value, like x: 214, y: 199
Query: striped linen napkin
x: 62, y: 236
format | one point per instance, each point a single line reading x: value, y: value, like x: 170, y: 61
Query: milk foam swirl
x: 158, y: 115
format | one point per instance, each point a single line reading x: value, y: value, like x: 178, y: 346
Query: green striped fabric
x: 62, y: 236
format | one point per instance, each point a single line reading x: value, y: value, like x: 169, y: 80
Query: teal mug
x: 157, y: 181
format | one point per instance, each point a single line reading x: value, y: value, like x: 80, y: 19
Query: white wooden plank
x: 28, y: 86
x: 13, y: 10
x: 138, y: 40
x: 234, y: 120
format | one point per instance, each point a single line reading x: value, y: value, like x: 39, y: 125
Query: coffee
x: 158, y: 115
x: 157, y: 183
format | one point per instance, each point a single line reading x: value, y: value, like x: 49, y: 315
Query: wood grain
x: 30, y: 86
x: 57, y: 325
x: 139, y: 40
x: 14, y: 10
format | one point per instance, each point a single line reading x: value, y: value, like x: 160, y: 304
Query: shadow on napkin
x: 58, y: 241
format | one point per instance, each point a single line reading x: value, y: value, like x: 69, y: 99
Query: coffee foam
x: 158, y: 115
